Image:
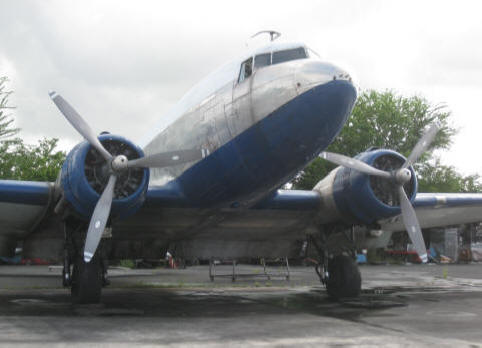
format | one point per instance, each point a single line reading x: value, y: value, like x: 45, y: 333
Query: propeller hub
x: 119, y: 163
x: 403, y: 175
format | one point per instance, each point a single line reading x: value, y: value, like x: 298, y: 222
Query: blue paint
x: 82, y: 196
x: 354, y: 197
x: 166, y: 196
x: 428, y: 200
x: 265, y: 156
x: 170, y: 196
x: 299, y: 200
x: 24, y: 192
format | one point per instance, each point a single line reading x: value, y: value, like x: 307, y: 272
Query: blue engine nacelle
x: 360, y: 198
x: 85, y: 174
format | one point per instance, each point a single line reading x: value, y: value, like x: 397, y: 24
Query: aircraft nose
x: 314, y: 73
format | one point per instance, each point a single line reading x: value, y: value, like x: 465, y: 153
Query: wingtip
x: 52, y: 94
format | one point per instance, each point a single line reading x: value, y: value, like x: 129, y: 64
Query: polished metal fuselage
x: 234, y: 107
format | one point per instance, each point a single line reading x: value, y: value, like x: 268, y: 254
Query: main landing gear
x: 337, y: 268
x: 344, y: 279
x: 85, y: 279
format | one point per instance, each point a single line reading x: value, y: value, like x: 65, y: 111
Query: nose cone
x: 321, y: 111
x: 311, y: 73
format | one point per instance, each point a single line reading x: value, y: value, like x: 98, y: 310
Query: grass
x: 445, y: 273
x: 127, y: 263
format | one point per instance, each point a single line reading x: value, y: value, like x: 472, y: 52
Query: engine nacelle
x: 360, y: 198
x: 85, y: 174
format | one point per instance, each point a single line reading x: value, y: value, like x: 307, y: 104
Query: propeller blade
x: 411, y: 224
x: 99, y: 219
x: 422, y: 145
x: 166, y: 159
x: 353, y: 163
x: 79, y: 124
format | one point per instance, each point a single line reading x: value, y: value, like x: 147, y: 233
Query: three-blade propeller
x: 118, y: 164
x: 399, y: 177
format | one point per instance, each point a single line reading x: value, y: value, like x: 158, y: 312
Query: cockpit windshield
x: 286, y: 55
x: 266, y: 59
x: 262, y: 60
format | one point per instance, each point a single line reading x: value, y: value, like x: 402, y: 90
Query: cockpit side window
x: 246, y: 69
x: 262, y: 60
x: 286, y: 55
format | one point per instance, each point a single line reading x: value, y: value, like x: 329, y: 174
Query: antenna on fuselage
x: 273, y: 34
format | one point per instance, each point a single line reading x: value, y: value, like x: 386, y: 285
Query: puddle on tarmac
x: 35, y: 302
x: 151, y: 302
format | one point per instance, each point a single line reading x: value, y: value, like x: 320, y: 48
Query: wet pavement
x: 401, y: 305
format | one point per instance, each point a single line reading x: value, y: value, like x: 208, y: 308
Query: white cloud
x: 123, y: 63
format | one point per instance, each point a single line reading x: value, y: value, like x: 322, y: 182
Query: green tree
x: 6, y: 121
x: 385, y: 120
x: 20, y: 161
x: 441, y: 178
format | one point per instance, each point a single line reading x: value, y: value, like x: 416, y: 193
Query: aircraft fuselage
x: 256, y: 132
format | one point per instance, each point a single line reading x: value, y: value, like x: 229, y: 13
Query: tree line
x: 379, y: 119
x: 21, y: 161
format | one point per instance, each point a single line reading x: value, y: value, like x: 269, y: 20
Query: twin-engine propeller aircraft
x: 206, y: 183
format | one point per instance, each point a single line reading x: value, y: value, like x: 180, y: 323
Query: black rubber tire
x: 86, y: 281
x: 344, y: 279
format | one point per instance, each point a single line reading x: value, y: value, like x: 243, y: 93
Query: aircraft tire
x: 86, y: 281
x: 344, y: 279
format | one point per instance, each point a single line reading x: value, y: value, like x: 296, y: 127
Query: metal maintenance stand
x: 234, y: 274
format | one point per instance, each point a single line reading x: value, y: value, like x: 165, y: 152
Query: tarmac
x: 408, y: 305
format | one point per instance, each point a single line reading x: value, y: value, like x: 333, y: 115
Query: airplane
x: 206, y: 181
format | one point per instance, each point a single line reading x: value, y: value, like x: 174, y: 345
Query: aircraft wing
x: 441, y: 209
x: 284, y: 216
x: 23, y: 205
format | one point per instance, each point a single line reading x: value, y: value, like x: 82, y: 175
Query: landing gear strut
x: 337, y: 269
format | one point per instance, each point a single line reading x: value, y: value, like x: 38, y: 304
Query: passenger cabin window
x: 246, y: 70
x: 262, y: 60
x: 286, y: 55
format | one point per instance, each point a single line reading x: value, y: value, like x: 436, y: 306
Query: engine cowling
x: 360, y: 198
x: 85, y: 174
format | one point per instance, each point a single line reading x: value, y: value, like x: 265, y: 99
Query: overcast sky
x: 122, y: 64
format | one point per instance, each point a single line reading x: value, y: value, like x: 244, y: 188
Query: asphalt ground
x: 412, y: 305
